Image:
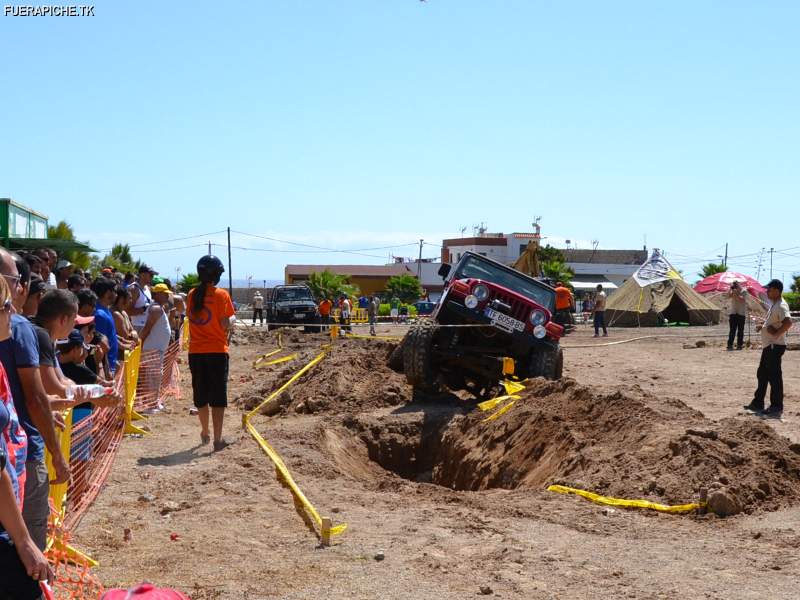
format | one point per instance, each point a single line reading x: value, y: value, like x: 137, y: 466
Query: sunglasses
x: 7, y: 306
x: 12, y: 279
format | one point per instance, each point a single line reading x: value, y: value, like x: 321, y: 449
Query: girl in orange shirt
x: 211, y: 317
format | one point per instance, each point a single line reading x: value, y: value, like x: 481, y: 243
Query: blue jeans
x: 600, y: 321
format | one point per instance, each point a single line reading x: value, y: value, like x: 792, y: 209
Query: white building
x: 502, y: 247
x: 603, y: 266
x: 608, y: 267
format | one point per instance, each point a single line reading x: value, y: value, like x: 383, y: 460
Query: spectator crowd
x: 63, y: 333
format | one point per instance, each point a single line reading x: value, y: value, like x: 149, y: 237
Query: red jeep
x: 488, y: 312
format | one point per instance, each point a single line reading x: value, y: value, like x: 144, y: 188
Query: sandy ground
x: 240, y: 537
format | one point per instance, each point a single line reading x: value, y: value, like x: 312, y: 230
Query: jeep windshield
x: 291, y: 294
x: 474, y: 268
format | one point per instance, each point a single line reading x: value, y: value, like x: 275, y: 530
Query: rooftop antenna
x: 595, y: 243
x: 537, y: 228
x: 463, y: 229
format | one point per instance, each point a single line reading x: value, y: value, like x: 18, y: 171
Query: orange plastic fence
x: 93, y: 446
x: 73, y: 577
x: 90, y: 442
x: 157, y: 378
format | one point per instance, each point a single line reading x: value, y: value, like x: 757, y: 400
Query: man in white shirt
x: 773, y: 340
x: 600, y: 311
x: 258, y: 307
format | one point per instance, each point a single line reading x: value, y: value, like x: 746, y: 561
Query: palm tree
x: 712, y: 269
x: 557, y: 271
x: 326, y: 284
x: 188, y: 282
x: 63, y: 231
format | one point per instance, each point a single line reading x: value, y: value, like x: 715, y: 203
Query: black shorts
x: 209, y: 379
x: 15, y: 583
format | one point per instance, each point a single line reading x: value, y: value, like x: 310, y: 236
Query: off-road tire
x: 547, y: 363
x: 418, y: 356
x: 395, y: 360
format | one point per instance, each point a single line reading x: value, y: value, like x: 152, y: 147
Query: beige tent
x: 672, y: 300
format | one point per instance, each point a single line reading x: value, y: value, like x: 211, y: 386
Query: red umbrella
x: 721, y: 282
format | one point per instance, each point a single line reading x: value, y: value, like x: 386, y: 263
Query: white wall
x: 498, y: 253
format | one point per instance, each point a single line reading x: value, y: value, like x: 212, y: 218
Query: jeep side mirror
x: 444, y: 270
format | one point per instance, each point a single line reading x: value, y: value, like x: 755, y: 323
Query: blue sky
x: 368, y: 123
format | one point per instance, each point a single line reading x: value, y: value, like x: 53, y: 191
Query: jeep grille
x: 519, y: 309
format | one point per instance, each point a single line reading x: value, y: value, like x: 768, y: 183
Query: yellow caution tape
x: 509, y: 398
x: 490, y: 404
x: 598, y: 499
x: 373, y: 337
x: 512, y: 387
x: 280, y: 466
x: 277, y: 361
x: 500, y: 412
x: 263, y: 357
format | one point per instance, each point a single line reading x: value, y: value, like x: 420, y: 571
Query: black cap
x: 73, y: 339
x: 37, y: 284
x: 775, y: 283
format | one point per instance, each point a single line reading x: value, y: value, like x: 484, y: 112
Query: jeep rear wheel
x: 418, y: 355
x: 547, y: 363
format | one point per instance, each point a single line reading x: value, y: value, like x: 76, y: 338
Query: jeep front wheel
x: 547, y: 363
x: 418, y: 355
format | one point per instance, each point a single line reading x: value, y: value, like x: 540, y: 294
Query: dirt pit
x: 627, y: 445
x: 353, y: 377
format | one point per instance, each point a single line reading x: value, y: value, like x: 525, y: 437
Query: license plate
x: 299, y: 315
x: 503, y: 321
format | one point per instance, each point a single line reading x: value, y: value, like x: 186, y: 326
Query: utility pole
x: 209, y: 246
x: 419, y: 262
x: 771, y: 252
x: 725, y: 260
x: 230, y: 271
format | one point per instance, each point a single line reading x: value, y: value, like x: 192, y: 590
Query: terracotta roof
x: 606, y: 257
x: 352, y: 270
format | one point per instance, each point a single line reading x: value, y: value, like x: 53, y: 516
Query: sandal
x: 205, y: 439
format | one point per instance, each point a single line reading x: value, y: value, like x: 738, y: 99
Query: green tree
x: 550, y: 254
x: 119, y: 258
x: 558, y: 271
x: 188, y: 282
x: 63, y: 231
x: 796, y: 285
x: 326, y: 284
x: 405, y: 287
x: 712, y: 269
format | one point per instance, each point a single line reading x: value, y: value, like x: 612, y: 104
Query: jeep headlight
x: 481, y: 292
x: 539, y: 332
x: 538, y: 318
x: 471, y: 301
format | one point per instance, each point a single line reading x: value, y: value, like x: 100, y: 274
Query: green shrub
x: 793, y: 300
x: 385, y: 310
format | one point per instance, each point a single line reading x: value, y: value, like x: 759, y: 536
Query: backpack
x: 144, y: 591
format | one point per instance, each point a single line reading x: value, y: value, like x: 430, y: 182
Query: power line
x: 320, y: 248
x: 180, y: 239
x: 176, y: 248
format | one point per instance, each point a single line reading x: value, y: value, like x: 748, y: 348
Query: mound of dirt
x: 353, y: 377
x: 631, y: 445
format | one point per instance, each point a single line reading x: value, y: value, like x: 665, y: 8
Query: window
x: 17, y: 222
x: 38, y: 228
